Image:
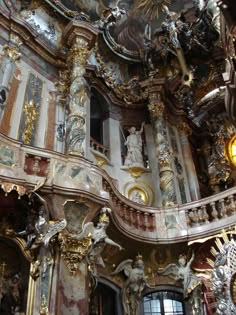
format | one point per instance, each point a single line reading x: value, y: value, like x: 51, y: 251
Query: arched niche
x: 98, y: 113
x: 105, y: 299
x: 14, y: 277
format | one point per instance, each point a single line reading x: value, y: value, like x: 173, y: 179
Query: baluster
x: 123, y: 212
x: 126, y: 215
x: 205, y: 215
x: 118, y: 207
x: 153, y: 222
x: 231, y: 204
x: 187, y: 218
x: 138, y: 219
x: 222, y: 208
x: 131, y: 210
x: 195, y: 217
x: 214, y: 212
x: 146, y: 223
x: 200, y: 214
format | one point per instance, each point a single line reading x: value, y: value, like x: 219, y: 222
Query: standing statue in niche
x: 134, y: 147
x: 191, y: 283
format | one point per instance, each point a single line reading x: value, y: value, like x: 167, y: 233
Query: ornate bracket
x: 74, y: 251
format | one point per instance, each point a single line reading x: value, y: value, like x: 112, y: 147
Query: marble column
x: 166, y: 174
x: 80, y: 37
x: 73, y: 291
x: 193, y: 184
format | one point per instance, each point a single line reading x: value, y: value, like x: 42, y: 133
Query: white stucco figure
x: 134, y: 147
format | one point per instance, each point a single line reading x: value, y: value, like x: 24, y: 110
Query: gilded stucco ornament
x: 184, y: 128
x: 31, y: 115
x: 12, y: 50
x: 130, y: 92
x: 74, y: 251
x: 89, y: 244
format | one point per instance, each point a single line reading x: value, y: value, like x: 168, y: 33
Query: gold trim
x: 135, y: 171
x: 31, y: 293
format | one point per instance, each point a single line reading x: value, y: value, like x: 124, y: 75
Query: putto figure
x: 134, y: 147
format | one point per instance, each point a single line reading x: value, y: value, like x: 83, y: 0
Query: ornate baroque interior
x: 117, y: 157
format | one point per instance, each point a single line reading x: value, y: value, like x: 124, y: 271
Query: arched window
x: 163, y: 303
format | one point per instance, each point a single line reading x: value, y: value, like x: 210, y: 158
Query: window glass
x: 163, y: 303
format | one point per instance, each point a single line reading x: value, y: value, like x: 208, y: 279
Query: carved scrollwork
x: 74, y: 251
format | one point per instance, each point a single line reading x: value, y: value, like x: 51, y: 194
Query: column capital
x: 80, y: 30
x: 156, y: 106
x: 184, y: 128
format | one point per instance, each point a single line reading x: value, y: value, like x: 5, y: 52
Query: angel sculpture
x: 41, y: 231
x: 134, y: 285
x: 191, y: 283
x: 99, y: 240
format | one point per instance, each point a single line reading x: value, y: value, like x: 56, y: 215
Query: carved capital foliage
x: 12, y: 50
x: 79, y: 52
x: 184, y: 128
x: 74, y: 251
x: 156, y: 106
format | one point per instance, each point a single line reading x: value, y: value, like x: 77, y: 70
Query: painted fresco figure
x: 12, y: 301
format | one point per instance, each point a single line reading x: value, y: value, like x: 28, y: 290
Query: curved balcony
x: 25, y: 166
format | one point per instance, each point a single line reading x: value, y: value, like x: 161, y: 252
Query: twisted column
x: 157, y: 111
x: 81, y: 37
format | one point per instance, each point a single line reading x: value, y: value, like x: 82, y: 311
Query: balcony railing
x: 24, y: 166
x: 96, y: 146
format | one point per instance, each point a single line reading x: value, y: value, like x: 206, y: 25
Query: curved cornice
x: 13, y: 23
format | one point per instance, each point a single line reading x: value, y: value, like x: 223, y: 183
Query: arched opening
x: 98, y: 113
x: 105, y: 300
x: 14, y: 277
x: 164, y: 302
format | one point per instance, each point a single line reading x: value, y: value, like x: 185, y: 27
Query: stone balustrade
x: 24, y: 166
x: 96, y: 146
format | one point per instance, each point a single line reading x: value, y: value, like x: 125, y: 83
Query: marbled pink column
x: 72, y: 291
x: 190, y: 167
